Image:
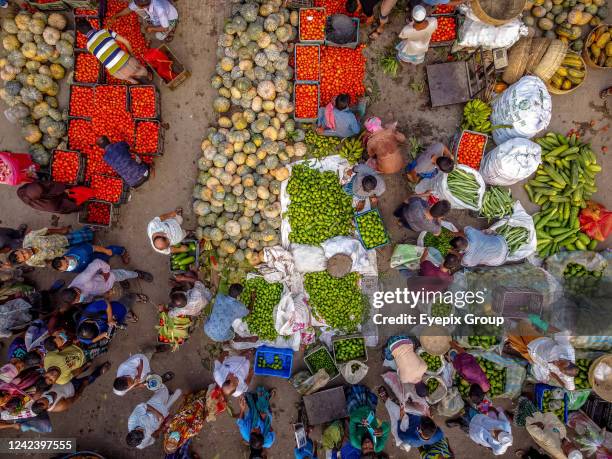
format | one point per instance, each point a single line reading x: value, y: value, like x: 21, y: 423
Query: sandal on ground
x: 125, y: 257
x: 131, y: 317
x: 142, y: 298
x: 167, y: 376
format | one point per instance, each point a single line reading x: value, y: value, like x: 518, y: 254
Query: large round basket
x: 601, y: 388
x: 497, y: 12
x: 561, y: 92
x: 518, y: 56
x: 551, y: 61
x: 536, y: 53
x: 586, y: 54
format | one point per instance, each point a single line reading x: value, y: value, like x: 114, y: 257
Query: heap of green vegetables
x: 495, y: 374
x: 319, y: 208
x: 372, y: 229
x: 496, y: 203
x: 261, y: 298
x: 432, y: 384
x: 441, y: 242
x: 563, y: 183
x: 433, y: 362
x: 550, y: 404
x: 336, y: 301
x: 463, y: 186
x: 580, y: 280
x: 321, y: 358
x: 349, y: 349
x: 582, y: 378
x: 515, y: 236
x: 320, y: 146
x: 441, y: 309
x: 483, y: 341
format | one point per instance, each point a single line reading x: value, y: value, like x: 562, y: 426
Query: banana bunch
x: 476, y: 115
x: 352, y: 150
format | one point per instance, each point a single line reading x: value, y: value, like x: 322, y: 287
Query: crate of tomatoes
x: 67, y: 166
x: 306, y: 98
x: 443, y: 10
x: 87, y: 68
x: 81, y: 96
x: 98, y: 213
x: 144, y: 102
x: 307, y: 61
x: 470, y: 148
x: 110, y: 189
x: 148, y: 137
x: 446, y: 32
x: 311, y: 25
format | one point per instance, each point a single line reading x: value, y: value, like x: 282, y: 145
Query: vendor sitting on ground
x: 467, y: 367
x: 366, y: 183
x: 382, y: 145
x: 160, y: 15
x: 117, y: 155
x: 104, y: 44
x: 436, y: 157
x: 189, y: 297
x: 225, y: 310
x: 480, y: 247
x: 417, y: 215
x: 165, y: 231
x: 233, y: 373
x: 337, y: 120
x: 366, y: 432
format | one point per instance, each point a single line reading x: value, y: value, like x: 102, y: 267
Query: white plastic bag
x: 451, y: 403
x: 440, y: 188
x: 474, y: 33
x: 520, y: 218
x: 291, y: 315
x: 526, y: 106
x: 512, y: 161
x: 406, y: 256
x: 308, y: 258
x: 354, y: 371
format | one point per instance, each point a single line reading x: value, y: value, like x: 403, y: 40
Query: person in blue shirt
x: 308, y: 451
x: 337, y: 119
x: 118, y: 156
x: 421, y: 430
x: 78, y: 257
x: 98, y: 317
x: 255, y: 420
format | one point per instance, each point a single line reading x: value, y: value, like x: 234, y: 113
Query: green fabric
x: 332, y: 435
x: 357, y: 432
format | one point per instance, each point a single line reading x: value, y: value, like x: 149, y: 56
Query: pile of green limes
x: 463, y: 386
x: 484, y: 341
x: 441, y: 309
x: 336, y: 301
x: 432, y: 384
x: 261, y: 320
x: 320, y: 146
x: 433, y: 362
x: 319, y: 208
x: 582, y: 378
x: 322, y: 359
x: 276, y: 364
x: 495, y: 374
x: 554, y: 405
x: 372, y: 229
x: 581, y: 281
x: 349, y: 349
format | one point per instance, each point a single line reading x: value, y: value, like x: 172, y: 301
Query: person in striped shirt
x: 104, y: 44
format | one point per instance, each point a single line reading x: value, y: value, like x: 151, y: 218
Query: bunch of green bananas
x: 476, y: 115
x: 352, y: 149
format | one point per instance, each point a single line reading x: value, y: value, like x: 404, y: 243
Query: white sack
x: 512, y: 161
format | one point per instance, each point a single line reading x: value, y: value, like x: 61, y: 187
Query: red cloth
x: 466, y: 365
x: 80, y: 194
x: 596, y: 221
x: 161, y: 63
x: 18, y: 168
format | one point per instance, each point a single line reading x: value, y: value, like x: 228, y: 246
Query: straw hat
x: 435, y: 340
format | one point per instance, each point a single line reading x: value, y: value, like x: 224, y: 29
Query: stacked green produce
x: 496, y: 203
x: 463, y: 386
x: 580, y: 280
x: 336, y: 301
x: 319, y: 208
x: 563, y: 183
x: 515, y: 236
x: 495, y: 374
x: 550, y: 404
x: 434, y: 362
x: 276, y: 364
x: 483, y: 341
x: 441, y: 309
x: 261, y: 298
x: 582, y: 378
x: 432, y: 384
x: 441, y: 242
x: 349, y: 349
x: 322, y: 359
x: 320, y: 146
x: 464, y: 187
x: 476, y: 115
x: 372, y: 229
x: 351, y: 149
x: 182, y: 260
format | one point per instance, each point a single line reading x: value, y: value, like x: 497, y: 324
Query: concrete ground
x: 99, y: 420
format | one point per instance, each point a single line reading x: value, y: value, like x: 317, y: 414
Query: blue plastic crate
x: 541, y: 389
x: 359, y: 232
x: 268, y: 354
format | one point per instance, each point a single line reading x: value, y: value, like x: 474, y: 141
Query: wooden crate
x: 177, y: 67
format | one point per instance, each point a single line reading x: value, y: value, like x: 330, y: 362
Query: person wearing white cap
x: 492, y: 430
x: 416, y: 36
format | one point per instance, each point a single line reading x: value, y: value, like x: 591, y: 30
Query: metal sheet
x: 325, y: 406
x: 448, y: 83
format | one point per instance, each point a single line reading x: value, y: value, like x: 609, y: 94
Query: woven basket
x: 536, y: 53
x: 551, y: 61
x: 586, y: 56
x: 561, y: 92
x: 603, y: 389
x: 497, y: 12
x: 517, y: 60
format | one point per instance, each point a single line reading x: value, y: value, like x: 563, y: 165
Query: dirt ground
x: 99, y: 420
